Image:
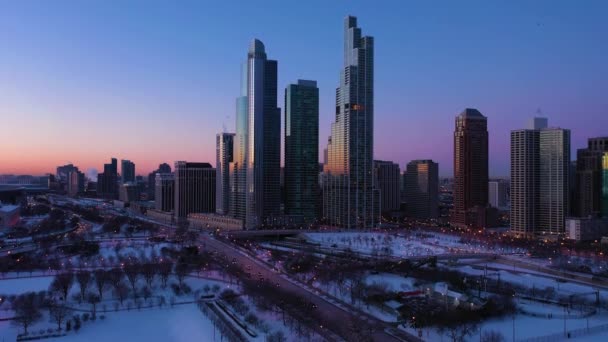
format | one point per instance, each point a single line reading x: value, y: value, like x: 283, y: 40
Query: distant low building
x: 129, y: 192
x: 9, y: 216
x: 214, y: 221
x: 586, y: 229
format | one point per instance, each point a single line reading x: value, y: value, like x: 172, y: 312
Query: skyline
x: 163, y: 85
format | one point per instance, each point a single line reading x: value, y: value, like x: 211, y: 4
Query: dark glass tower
x: 302, y: 150
x: 470, y: 169
x: 194, y: 188
x: 349, y: 197
x: 127, y: 169
x: 589, y: 177
x: 224, y: 156
x: 107, y: 181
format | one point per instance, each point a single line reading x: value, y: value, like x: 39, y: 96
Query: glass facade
x: 349, y: 197
x: 605, y: 185
x: 302, y: 150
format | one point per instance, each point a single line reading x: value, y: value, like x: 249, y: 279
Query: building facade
x: 470, y: 169
x: 255, y: 172
x: 540, y: 166
x: 164, y: 197
x: 387, y: 179
x: 586, y: 228
x: 605, y: 185
x: 422, y: 189
x: 301, y: 172
x: 589, y: 177
x: 129, y: 192
x: 224, y: 153
x: 498, y: 196
x: 151, y: 186
x: 194, y: 188
x: 107, y: 181
x: 75, y: 183
x: 127, y: 171
x: 349, y: 197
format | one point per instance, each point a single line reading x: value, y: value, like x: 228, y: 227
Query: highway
x: 328, y: 310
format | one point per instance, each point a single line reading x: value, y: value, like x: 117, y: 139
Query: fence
x: 570, y: 334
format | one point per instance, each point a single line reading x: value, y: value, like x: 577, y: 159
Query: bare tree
x: 131, y: 270
x: 148, y: 272
x: 93, y: 299
x: 164, y: 271
x: 101, y: 281
x: 181, y: 271
x: 27, y: 310
x: 84, y: 279
x: 58, y: 312
x: 121, y: 291
x: 62, y: 284
x: 492, y: 336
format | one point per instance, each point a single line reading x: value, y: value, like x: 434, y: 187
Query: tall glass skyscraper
x: 349, y: 197
x: 224, y: 151
x: 605, y: 185
x: 302, y: 150
x: 257, y: 142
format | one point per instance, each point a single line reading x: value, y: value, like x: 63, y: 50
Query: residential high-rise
x: 387, y: 179
x: 151, y: 189
x: 63, y: 171
x: 127, y: 171
x: 605, y: 185
x: 349, y: 197
x: 107, y: 181
x: 498, y: 193
x: 301, y: 173
x: 589, y: 177
x: 165, y: 192
x: 224, y: 151
x: 255, y: 172
x: 540, y: 164
x: 75, y: 184
x: 194, y: 188
x: 422, y: 189
x: 470, y: 169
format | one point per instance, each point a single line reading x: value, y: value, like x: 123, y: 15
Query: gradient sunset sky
x: 154, y: 81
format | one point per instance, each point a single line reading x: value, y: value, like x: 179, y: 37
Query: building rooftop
x: 6, y: 208
x: 471, y: 113
x: 256, y: 46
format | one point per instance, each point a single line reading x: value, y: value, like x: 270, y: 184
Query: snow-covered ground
x: 403, y: 245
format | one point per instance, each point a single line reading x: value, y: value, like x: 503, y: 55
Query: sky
x: 155, y: 81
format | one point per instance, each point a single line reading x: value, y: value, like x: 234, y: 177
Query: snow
x: 26, y: 284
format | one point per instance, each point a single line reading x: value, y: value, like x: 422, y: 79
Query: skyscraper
x: 589, y: 177
x: 497, y: 193
x: 422, y: 189
x: 127, y: 171
x: 540, y: 164
x: 256, y: 167
x: 605, y: 185
x: 348, y: 191
x: 470, y: 169
x: 165, y: 192
x: 387, y: 179
x: 75, y: 182
x: 162, y: 168
x: 301, y: 174
x: 224, y: 152
x: 107, y: 181
x: 194, y: 188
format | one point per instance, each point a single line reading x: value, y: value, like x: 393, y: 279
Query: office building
x: 498, y: 196
x: 255, y: 172
x: 224, y: 152
x: 540, y: 165
x: 589, y: 177
x: 470, y: 170
x: 63, y: 173
x: 194, y: 188
x: 605, y: 185
x: 151, y: 185
x: 349, y: 197
x: 301, y: 172
x: 164, y: 197
x: 422, y: 189
x: 75, y: 182
x: 129, y: 192
x: 586, y: 228
x: 127, y: 171
x: 107, y: 181
x: 387, y: 179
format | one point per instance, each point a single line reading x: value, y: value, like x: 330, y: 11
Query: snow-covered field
x: 402, y: 245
